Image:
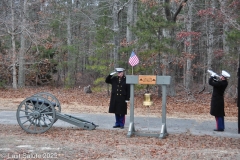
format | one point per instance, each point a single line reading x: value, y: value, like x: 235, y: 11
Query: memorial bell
x: 147, y: 99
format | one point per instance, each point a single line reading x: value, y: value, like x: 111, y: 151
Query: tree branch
x: 179, y: 10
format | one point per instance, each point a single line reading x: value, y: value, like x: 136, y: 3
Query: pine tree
x: 150, y: 39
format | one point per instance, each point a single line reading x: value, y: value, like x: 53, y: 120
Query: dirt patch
x: 9, y: 104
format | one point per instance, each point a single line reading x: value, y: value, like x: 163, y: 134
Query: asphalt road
x: 144, y: 124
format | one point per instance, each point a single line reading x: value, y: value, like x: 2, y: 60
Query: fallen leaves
x: 75, y: 143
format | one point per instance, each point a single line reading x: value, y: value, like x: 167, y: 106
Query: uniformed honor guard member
x: 120, y: 94
x: 217, y: 101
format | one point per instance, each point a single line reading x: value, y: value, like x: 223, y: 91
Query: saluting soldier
x: 217, y: 101
x: 120, y: 94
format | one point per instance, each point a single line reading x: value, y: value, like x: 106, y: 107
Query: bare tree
x: 21, y: 70
x: 225, y: 30
x: 188, y: 46
x: 229, y: 12
x: 117, y: 9
x: 71, y: 57
x: 13, y: 37
x: 171, y: 16
x: 210, y: 37
x: 130, y: 20
x: 115, y: 12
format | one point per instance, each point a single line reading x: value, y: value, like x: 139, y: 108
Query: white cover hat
x: 119, y: 69
x: 225, y: 74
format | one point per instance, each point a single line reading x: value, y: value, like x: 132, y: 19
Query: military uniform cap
x: 119, y: 69
x: 225, y: 74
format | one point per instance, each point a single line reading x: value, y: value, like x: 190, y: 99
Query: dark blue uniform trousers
x: 220, y: 123
x: 120, y: 120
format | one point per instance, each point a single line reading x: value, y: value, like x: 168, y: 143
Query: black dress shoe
x: 122, y: 127
x: 116, y: 126
x: 219, y: 130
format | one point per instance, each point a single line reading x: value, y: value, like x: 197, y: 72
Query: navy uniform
x: 217, y: 100
x: 119, y: 95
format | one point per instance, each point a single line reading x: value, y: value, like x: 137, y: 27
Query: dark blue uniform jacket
x: 217, y: 101
x: 120, y: 93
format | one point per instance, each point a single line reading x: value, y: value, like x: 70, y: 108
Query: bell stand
x: 148, y: 79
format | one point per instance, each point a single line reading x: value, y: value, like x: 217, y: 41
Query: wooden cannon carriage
x: 39, y: 112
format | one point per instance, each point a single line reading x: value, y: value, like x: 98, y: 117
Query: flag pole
x: 132, y: 70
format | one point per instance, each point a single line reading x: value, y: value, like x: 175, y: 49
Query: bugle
x: 213, y: 74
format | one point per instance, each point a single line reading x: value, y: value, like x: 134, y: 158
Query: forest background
x: 64, y: 46
x: 73, y: 43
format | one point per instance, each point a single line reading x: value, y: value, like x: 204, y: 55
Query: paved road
x: 144, y: 124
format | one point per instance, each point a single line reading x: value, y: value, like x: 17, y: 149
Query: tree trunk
x: 130, y: 21
x: 188, y: 73
x: 14, y: 72
x: 71, y: 59
x: 225, y: 31
x: 21, y: 69
x: 210, y: 41
x: 116, y: 33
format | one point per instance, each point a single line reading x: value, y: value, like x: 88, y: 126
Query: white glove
x: 112, y: 73
x: 213, y: 74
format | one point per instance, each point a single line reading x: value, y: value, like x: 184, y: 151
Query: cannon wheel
x: 36, y: 115
x: 52, y: 99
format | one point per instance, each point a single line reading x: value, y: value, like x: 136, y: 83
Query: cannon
x: 38, y: 113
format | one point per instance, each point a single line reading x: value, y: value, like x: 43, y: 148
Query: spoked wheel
x: 52, y: 99
x: 36, y: 115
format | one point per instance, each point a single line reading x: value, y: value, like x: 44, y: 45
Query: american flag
x: 133, y: 60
